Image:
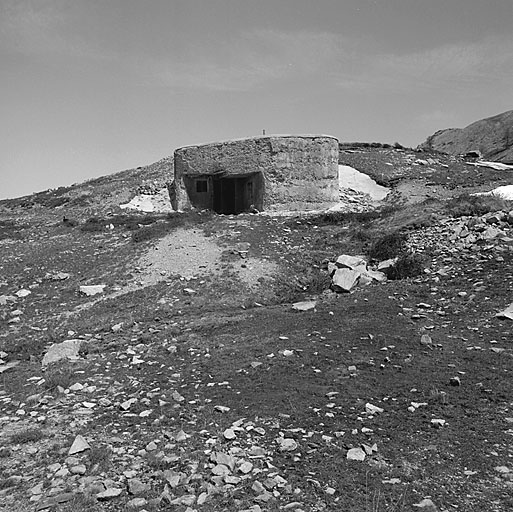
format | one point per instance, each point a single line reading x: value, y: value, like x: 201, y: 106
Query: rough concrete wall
x: 303, y: 174
x: 300, y: 172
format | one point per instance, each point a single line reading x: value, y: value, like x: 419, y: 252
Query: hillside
x: 99, y: 195
x: 492, y: 137
x: 213, y: 366
x: 411, y: 175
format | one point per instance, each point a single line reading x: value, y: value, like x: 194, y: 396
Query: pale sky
x: 91, y: 87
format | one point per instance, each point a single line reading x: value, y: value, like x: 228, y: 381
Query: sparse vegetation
x: 54, y: 452
x: 133, y: 221
x: 71, y: 223
x: 59, y: 375
x: 240, y: 345
x: 81, y: 503
x: 93, y: 225
x: 99, y: 458
x: 357, y: 217
x: 470, y: 205
x: 171, y: 222
x: 157, y: 230
x: 10, y: 481
x: 407, y: 265
x: 129, y: 221
x: 315, y: 282
x: 388, y: 246
x: 157, y: 461
x: 30, y: 435
x: 312, y: 282
x: 11, y: 229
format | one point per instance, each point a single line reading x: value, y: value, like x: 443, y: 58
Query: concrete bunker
x: 225, y: 193
x: 292, y: 172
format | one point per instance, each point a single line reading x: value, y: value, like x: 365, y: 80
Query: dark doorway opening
x: 237, y: 194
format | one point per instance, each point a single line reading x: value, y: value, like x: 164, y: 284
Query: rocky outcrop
x: 491, y: 137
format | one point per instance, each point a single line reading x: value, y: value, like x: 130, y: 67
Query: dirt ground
x: 198, y: 386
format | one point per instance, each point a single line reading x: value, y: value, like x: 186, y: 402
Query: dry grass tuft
x: 467, y: 205
x: 29, y: 435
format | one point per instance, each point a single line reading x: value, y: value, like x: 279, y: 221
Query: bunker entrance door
x: 236, y: 194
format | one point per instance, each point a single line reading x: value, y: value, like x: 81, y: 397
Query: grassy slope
x: 217, y: 335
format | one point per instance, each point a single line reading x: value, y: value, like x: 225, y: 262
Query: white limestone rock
x: 68, y: 349
x: 344, y: 279
x: 79, y: 445
x: 352, y: 262
x: 91, y: 290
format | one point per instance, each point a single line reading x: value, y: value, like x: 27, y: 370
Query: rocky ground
x: 416, y: 176
x: 217, y: 370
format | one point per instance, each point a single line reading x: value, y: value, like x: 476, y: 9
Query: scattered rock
x: 79, y: 469
x: 386, y: 265
x: 79, y: 445
x: 229, y: 434
x: 344, y: 279
x: 136, y: 487
x: 356, y: 454
x: 373, y: 409
x: 117, y: 327
x: 286, y: 444
x: 304, y: 306
x: 8, y: 366
x: 455, y: 381
x: 68, y: 349
x: 109, y: 493
x: 56, y: 276
x: 55, y: 500
x: 5, y: 299
x: 426, y: 505
x: 351, y: 262
x: 426, y: 340
x: 91, y: 290
x: 177, y: 397
x: 137, y: 503
x: 246, y: 467
x: 507, y: 313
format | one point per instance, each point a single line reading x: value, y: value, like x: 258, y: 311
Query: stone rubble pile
x: 350, y: 271
x: 151, y: 188
x: 354, y: 201
x: 491, y: 231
